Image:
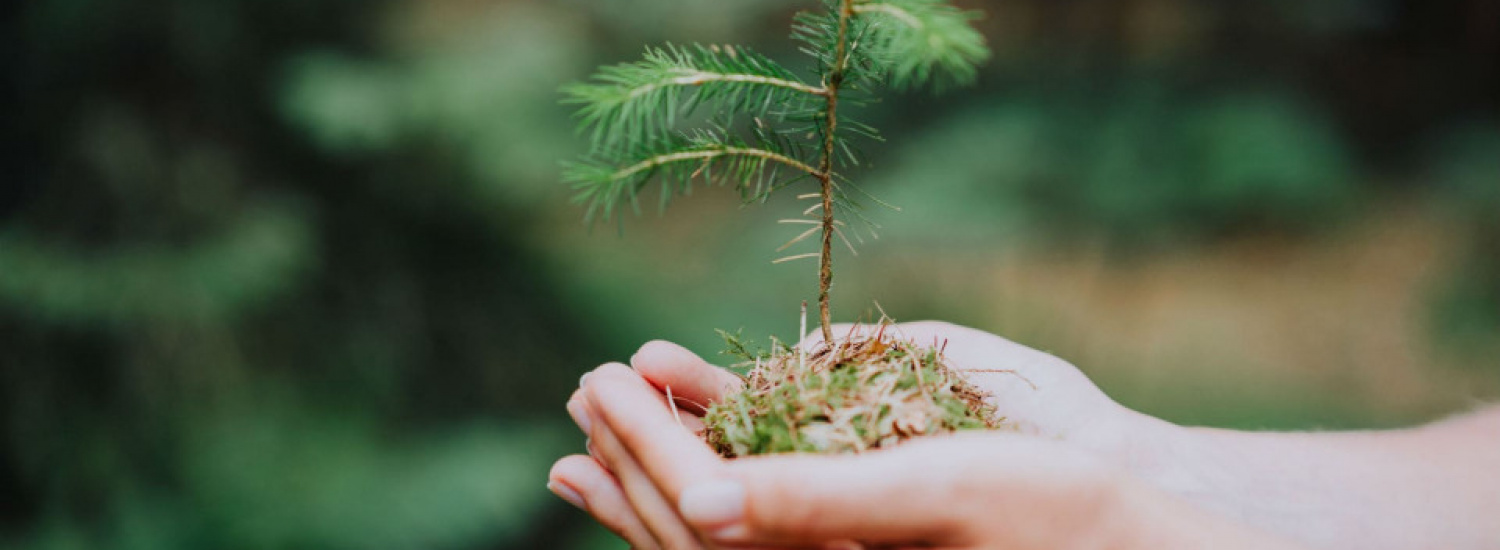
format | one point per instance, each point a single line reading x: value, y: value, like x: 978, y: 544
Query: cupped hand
x: 1038, y: 394
x: 653, y: 481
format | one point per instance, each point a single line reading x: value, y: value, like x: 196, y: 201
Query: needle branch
x: 637, y: 102
x: 711, y: 156
x: 921, y: 41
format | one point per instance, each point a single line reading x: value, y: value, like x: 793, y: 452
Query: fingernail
x: 582, y: 378
x: 588, y: 444
x: 580, y: 415
x: 566, y: 493
x: 716, y: 503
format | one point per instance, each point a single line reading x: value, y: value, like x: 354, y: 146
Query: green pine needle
x: 819, y: 34
x: 925, y: 41
x: 632, y: 110
x: 713, y: 156
x: 884, y: 390
x: 636, y: 102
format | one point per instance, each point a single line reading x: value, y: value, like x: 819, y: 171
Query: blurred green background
x: 300, y: 274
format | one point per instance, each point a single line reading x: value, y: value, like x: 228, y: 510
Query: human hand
x: 1038, y: 394
x: 1330, y: 489
x: 991, y: 490
x: 610, y: 482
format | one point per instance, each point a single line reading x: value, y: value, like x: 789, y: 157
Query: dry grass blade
x: 851, y: 395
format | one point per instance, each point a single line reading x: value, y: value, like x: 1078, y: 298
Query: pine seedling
x: 767, y: 129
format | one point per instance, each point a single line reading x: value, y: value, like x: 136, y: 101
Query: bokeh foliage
x: 301, y: 274
x: 225, y: 325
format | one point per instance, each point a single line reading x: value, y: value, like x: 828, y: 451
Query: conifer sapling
x: 768, y: 129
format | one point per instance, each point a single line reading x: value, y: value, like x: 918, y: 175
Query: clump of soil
x: 853, y: 395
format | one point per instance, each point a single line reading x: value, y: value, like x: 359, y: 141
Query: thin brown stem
x: 825, y: 168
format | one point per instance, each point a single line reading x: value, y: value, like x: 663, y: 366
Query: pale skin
x: 1083, y: 472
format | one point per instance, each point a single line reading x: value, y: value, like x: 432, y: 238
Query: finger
x: 655, y: 510
x: 906, y: 496
x: 694, y: 382
x: 582, y: 481
x: 637, y: 415
x: 578, y: 409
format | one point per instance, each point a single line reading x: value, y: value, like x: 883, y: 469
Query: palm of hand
x: 1038, y: 393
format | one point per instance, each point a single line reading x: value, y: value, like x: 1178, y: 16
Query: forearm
x: 1434, y: 486
x: 1151, y: 519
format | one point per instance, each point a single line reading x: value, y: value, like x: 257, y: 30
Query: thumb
x: 900, y: 496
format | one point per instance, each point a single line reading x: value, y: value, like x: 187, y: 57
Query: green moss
x: 854, y: 395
